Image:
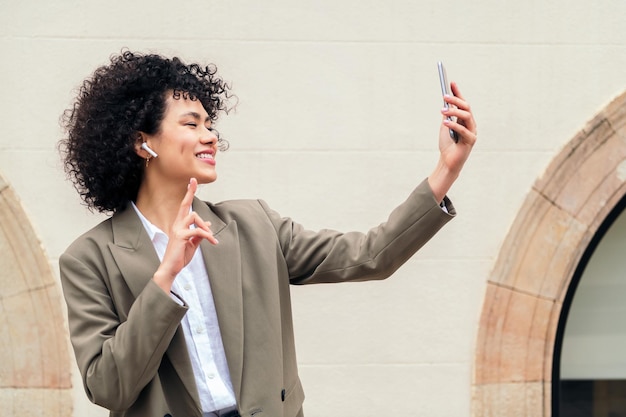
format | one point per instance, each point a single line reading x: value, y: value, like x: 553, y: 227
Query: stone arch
x: 35, y: 364
x: 525, y: 292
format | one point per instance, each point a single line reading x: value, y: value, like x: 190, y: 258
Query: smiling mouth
x: 204, y: 156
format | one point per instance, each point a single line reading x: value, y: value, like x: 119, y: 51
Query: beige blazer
x: 126, y: 331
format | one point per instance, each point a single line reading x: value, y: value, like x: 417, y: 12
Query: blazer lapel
x: 137, y: 260
x: 133, y: 251
x: 223, y: 264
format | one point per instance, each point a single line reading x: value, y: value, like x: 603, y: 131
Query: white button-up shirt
x: 200, y: 326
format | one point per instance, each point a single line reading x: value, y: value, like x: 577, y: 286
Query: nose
x: 211, y: 136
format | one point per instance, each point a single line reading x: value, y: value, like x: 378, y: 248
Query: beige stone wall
x: 539, y: 258
x: 34, y: 358
x: 337, y: 121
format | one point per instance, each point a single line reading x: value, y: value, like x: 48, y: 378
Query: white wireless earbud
x: 145, y: 146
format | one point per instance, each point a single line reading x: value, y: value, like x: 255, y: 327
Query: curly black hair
x: 116, y: 103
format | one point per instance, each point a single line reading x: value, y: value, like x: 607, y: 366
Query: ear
x: 141, y: 138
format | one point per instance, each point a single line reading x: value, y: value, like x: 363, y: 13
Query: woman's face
x: 186, y: 144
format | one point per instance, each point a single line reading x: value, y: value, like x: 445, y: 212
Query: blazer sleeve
x: 331, y: 256
x: 118, y: 352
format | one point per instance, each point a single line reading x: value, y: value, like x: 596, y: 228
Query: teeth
x: 204, y: 156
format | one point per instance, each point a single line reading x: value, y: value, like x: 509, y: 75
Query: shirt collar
x: 150, y: 228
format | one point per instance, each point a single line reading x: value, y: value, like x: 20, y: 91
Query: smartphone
x: 445, y: 89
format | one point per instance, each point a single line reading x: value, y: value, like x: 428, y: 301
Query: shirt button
x: 187, y: 287
x: 200, y: 329
x: 211, y: 376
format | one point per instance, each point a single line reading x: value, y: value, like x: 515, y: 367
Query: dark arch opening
x: 569, y: 297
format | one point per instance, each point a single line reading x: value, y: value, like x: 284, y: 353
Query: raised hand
x: 453, y: 154
x: 185, y: 235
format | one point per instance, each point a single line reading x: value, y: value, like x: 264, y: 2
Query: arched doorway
x: 560, y: 217
x: 34, y: 357
x: 591, y: 337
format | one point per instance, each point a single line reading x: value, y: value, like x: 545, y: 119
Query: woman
x: 160, y: 328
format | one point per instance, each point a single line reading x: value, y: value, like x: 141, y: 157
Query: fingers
x: 457, y: 99
x: 203, y: 228
x: 455, y: 90
x: 187, y: 218
x: 195, y: 229
x: 460, y: 109
x: 465, y: 135
x: 195, y: 236
x: 185, y: 204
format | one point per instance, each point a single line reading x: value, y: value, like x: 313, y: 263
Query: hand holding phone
x: 445, y: 90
